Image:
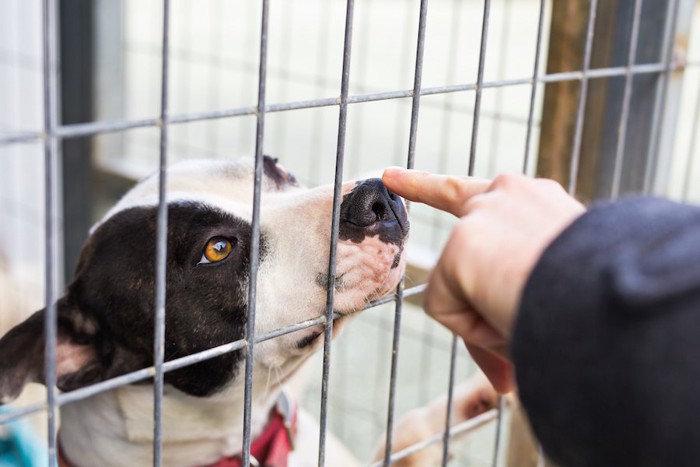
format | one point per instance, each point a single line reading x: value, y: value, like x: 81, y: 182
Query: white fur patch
x: 117, y: 428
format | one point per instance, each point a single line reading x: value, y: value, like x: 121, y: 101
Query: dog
x: 106, y: 317
x: 470, y: 398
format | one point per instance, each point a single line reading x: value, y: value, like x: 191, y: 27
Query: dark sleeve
x: 606, y: 345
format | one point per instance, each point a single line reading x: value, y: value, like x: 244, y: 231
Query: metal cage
x: 638, y: 95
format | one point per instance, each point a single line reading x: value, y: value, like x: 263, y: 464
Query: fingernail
x: 392, y: 171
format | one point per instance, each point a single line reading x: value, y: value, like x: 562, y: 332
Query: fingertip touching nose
x: 371, y: 209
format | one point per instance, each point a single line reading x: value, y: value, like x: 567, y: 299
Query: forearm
x: 606, y: 343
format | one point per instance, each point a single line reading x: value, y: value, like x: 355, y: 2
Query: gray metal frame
x: 53, y: 133
x: 51, y: 154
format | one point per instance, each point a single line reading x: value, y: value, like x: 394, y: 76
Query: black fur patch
x: 106, y: 320
x: 205, y: 303
x: 279, y: 176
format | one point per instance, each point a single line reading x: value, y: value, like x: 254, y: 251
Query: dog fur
x: 105, y: 320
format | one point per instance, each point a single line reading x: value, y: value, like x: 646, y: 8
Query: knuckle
x: 453, y: 185
x: 509, y: 180
x: 549, y: 184
x: 474, y: 203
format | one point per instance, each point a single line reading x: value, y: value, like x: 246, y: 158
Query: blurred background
x: 110, y: 59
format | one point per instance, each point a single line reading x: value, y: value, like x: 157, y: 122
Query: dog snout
x: 371, y: 209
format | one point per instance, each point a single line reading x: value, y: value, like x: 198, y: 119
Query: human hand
x: 505, y: 226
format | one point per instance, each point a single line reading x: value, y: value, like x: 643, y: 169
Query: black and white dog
x: 106, y: 325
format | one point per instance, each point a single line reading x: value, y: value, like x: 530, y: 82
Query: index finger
x: 445, y: 192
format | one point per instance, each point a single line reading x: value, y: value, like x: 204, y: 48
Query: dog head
x: 106, y: 318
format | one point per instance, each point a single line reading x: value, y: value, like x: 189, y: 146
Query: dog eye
x: 217, y: 249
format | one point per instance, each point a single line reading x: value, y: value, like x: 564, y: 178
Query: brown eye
x: 217, y: 249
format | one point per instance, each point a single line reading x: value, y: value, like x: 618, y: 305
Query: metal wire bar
x: 448, y: 107
x: 415, y: 290
x: 393, y: 372
x: 450, y: 390
x: 533, y: 92
x: 583, y: 94
x: 49, y: 56
x: 624, y: 116
x: 410, y: 162
x: 78, y: 130
x: 462, y: 428
x: 140, y: 375
x: 417, y: 84
x: 655, y: 142
x: 398, y: 143
x: 255, y: 238
x: 161, y: 250
x: 22, y: 137
x: 300, y: 78
x: 470, y: 172
x: 479, y: 83
x: 418, y: 334
x: 499, y: 429
x: 53, y: 133
x: 335, y: 227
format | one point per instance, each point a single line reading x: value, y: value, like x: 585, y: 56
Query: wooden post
x: 604, y: 100
x: 567, y: 34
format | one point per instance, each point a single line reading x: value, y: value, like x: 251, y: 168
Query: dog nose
x: 371, y: 209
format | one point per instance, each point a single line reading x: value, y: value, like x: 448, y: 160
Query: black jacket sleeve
x: 606, y: 344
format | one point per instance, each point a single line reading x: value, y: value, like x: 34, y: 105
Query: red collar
x: 270, y: 449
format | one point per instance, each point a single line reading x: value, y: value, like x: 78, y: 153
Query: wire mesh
x: 413, y: 134
x: 53, y: 132
x: 50, y: 223
x: 161, y: 250
x: 622, y: 129
x: 79, y: 130
x: 581, y: 108
x: 255, y: 237
x: 335, y: 226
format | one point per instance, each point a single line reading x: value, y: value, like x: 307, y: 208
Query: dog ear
x: 22, y: 352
